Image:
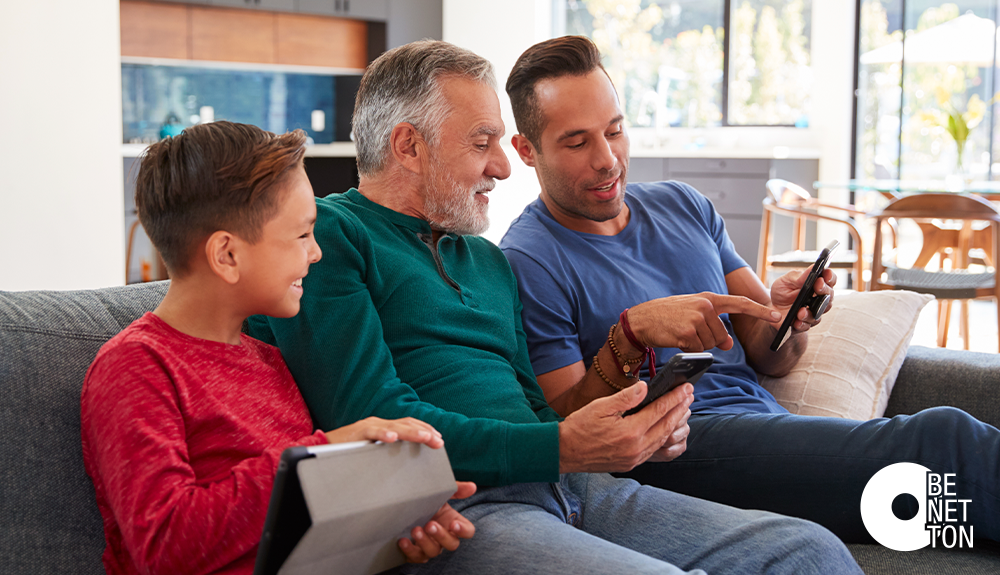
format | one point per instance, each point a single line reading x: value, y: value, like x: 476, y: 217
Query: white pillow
x: 853, y: 357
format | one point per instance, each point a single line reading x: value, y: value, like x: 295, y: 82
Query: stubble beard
x: 572, y: 201
x: 453, y: 208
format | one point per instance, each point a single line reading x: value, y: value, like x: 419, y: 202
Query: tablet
x: 341, y: 508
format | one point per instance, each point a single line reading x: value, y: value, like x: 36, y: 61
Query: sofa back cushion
x: 47, y: 340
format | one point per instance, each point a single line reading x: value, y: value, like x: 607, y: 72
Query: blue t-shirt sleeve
x: 716, y: 226
x: 548, y: 315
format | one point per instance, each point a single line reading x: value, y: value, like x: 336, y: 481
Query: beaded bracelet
x: 646, y: 351
x: 625, y: 365
x: 600, y: 372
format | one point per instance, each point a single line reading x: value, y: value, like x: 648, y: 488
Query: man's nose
x: 498, y: 166
x: 603, y: 157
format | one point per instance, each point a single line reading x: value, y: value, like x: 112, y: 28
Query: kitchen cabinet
x: 736, y: 188
x: 219, y: 34
x: 276, y: 5
x: 373, y: 10
x: 305, y: 40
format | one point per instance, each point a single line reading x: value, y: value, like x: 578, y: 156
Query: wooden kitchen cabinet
x: 154, y: 30
x: 219, y: 34
x: 305, y: 40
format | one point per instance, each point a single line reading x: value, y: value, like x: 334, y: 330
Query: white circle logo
x: 876, y: 507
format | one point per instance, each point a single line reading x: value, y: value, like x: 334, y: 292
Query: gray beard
x: 453, y: 208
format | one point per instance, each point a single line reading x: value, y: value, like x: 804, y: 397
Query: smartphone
x: 683, y: 367
x: 807, y: 297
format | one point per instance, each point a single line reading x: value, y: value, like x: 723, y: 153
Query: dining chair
x: 787, y: 199
x: 959, y: 283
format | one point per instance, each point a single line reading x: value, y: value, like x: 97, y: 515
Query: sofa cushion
x: 47, y: 341
x: 933, y: 376
x: 849, y: 368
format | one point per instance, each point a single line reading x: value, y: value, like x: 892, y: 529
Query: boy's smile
x: 273, y: 268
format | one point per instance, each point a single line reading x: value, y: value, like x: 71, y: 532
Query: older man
x: 410, y: 314
x: 591, y: 254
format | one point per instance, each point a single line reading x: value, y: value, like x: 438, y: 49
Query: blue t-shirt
x: 573, y: 285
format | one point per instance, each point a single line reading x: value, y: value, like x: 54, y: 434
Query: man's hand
x: 786, y: 288
x: 691, y: 322
x: 676, y: 444
x: 596, y: 438
x: 387, y: 431
x: 429, y: 541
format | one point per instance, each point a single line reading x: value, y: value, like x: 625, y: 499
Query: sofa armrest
x: 931, y: 377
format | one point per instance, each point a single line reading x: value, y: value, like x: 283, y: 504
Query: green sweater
x: 391, y: 329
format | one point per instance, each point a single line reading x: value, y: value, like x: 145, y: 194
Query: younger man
x: 184, y: 417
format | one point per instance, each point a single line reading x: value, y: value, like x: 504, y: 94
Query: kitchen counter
x: 775, y: 152
x: 347, y: 150
x: 334, y: 150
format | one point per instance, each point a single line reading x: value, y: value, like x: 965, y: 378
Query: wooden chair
x: 791, y: 200
x: 947, y: 286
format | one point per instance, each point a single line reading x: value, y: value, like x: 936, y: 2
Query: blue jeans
x: 817, y: 467
x: 595, y: 524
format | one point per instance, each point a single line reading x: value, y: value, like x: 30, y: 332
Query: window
x: 919, y: 63
x: 669, y: 58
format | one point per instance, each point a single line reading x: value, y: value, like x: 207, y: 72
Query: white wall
x: 833, y: 101
x: 61, y: 200
x: 500, y: 30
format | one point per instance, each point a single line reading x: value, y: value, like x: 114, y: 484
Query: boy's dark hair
x: 217, y: 176
x: 565, y: 56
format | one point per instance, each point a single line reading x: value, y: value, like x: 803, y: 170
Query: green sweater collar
x: 409, y: 222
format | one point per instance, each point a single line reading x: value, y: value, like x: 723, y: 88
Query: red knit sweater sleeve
x: 136, y: 439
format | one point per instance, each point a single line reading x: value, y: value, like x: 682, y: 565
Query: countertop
x: 334, y: 150
x: 347, y: 150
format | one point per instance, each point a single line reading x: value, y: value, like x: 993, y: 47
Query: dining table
x: 872, y: 195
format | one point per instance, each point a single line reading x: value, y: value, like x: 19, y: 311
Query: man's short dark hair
x: 217, y: 176
x: 565, y: 56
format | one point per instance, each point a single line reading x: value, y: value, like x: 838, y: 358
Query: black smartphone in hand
x: 807, y: 297
x: 683, y: 367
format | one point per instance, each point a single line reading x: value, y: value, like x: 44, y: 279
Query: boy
x: 184, y: 418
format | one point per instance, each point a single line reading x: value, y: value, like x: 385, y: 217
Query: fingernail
x: 775, y: 315
x: 419, y: 535
x: 456, y: 527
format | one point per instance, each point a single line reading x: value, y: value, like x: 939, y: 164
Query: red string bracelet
x: 646, y: 351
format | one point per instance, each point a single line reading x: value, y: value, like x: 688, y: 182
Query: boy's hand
x: 387, y: 431
x: 430, y: 540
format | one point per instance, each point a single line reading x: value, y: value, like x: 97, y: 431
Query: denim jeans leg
x: 528, y: 529
x: 693, y: 533
x: 817, y: 467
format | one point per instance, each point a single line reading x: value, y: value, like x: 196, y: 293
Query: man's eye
x: 574, y: 146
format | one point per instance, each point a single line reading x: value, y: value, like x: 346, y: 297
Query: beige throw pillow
x: 853, y: 357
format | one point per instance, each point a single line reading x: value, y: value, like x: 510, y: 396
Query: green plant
x: 957, y: 123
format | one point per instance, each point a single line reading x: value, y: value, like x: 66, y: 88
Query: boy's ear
x: 525, y: 149
x: 408, y: 147
x: 219, y: 250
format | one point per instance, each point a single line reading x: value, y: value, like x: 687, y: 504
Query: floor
x: 982, y: 327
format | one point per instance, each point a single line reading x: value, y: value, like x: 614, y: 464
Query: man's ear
x: 525, y: 149
x: 220, y: 251
x: 408, y: 147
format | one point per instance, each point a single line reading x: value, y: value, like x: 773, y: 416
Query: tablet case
x: 341, y: 508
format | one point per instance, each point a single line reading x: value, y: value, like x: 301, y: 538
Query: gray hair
x: 402, y: 85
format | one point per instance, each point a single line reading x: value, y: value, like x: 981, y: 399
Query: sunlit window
x: 925, y: 90
x: 669, y: 58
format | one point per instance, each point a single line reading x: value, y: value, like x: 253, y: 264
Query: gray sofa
x: 51, y: 523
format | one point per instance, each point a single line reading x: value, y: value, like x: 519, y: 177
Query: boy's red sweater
x: 182, y: 438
